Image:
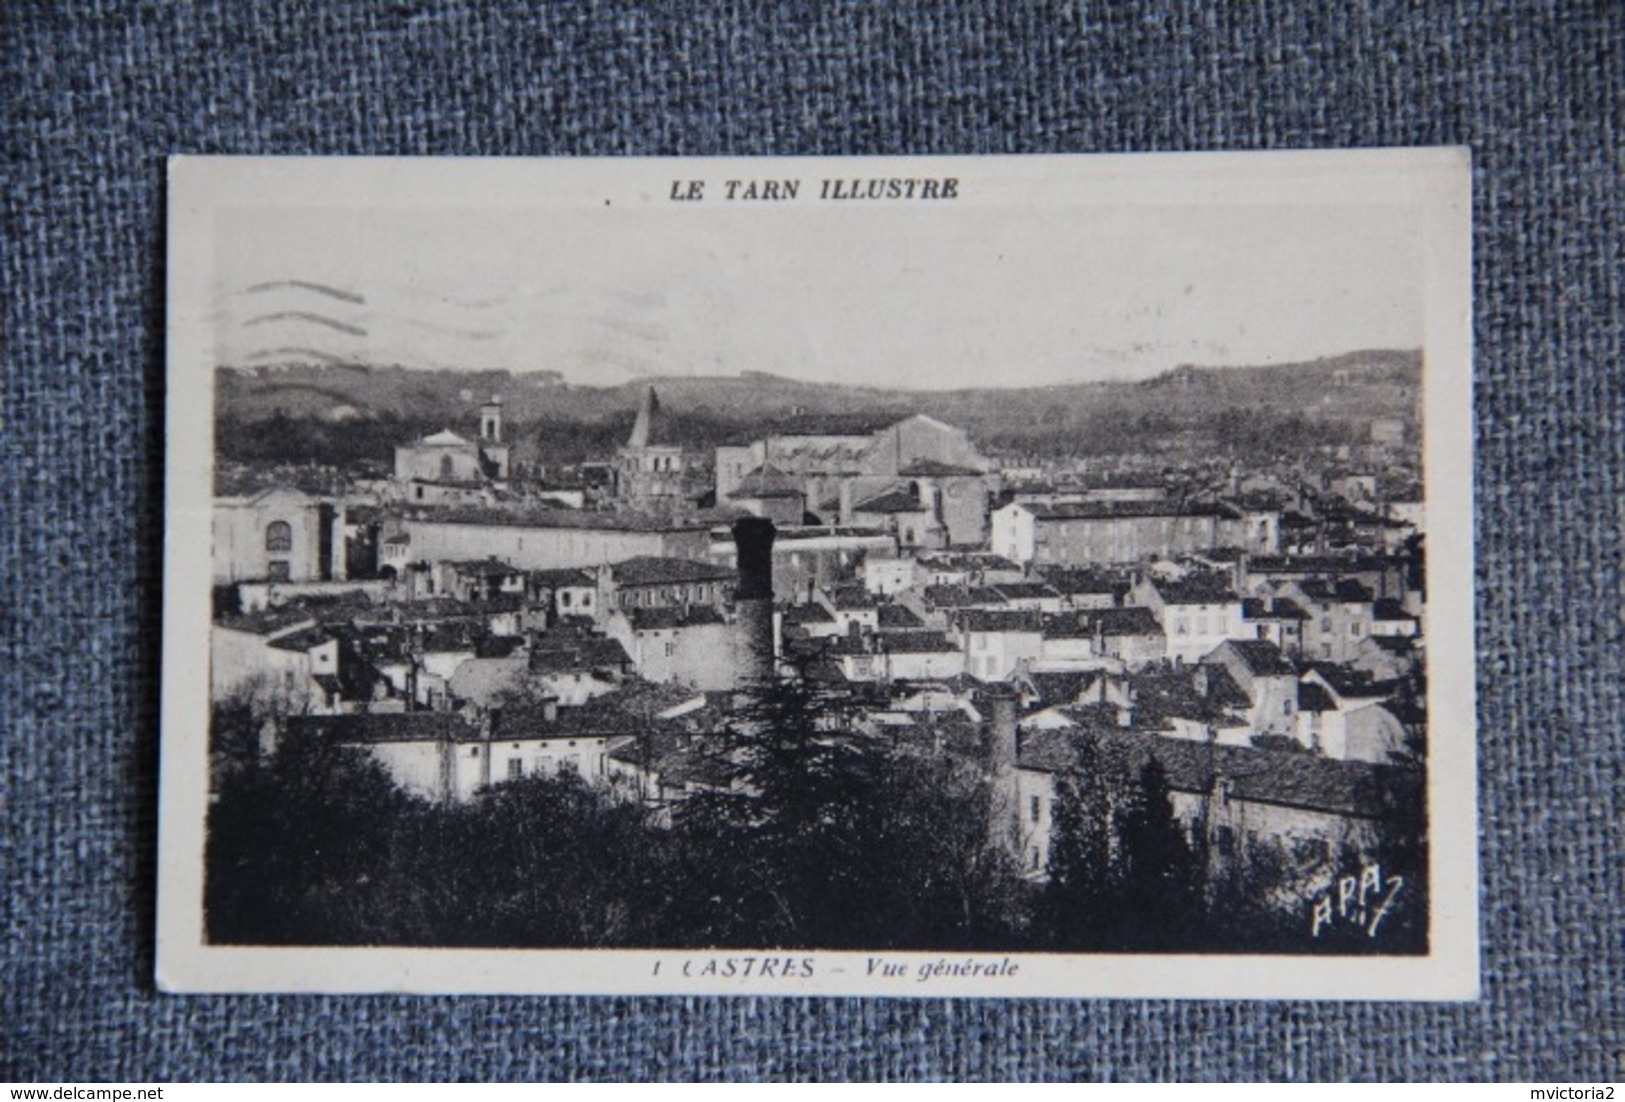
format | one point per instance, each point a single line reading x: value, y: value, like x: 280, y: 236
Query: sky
x: 923, y: 296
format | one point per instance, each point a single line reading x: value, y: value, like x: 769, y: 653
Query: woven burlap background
x: 96, y: 95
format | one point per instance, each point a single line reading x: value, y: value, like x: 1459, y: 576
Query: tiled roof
x: 892, y: 501
x: 931, y: 468
x: 1084, y: 581
x: 1279, y: 777
x: 1262, y: 657
x: 1342, y: 590
x: 1389, y: 608
x: 915, y: 642
x: 766, y: 481
x: 1399, y: 645
x: 562, y: 577
x: 1271, y: 608
x: 994, y: 620
x: 1066, y: 625
x: 948, y: 596
x: 833, y: 424
x: 268, y: 621
x: 898, y: 618
x: 1061, y: 687
x: 1197, y: 589
x: 1132, y: 620
x: 303, y: 640
x: 1313, y: 564
x: 1024, y: 591
x: 621, y: 521
x: 1110, y: 510
x: 965, y: 562
x: 674, y: 617
x: 593, y: 719
x: 650, y: 570
x: 1350, y: 683
x: 1313, y: 698
x: 813, y: 613
x: 369, y: 727
x: 851, y: 597
x: 1163, y: 693
x: 583, y: 654
x: 1123, y: 480
x: 679, y: 759
x: 485, y: 568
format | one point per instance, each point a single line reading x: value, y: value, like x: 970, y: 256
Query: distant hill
x: 1326, y: 399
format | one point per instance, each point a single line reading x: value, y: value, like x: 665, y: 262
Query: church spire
x: 646, y: 430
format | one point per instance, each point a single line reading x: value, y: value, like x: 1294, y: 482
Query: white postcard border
x: 1437, y: 181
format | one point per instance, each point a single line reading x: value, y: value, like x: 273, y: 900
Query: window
x: 564, y: 598
x: 445, y: 467
x: 1227, y: 841
x: 277, y: 570
x: 516, y: 769
x: 1037, y: 808
x: 473, y: 751
x: 279, y: 536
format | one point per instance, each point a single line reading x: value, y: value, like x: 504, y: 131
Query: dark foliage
x: 1123, y: 878
x: 836, y: 838
x: 831, y: 836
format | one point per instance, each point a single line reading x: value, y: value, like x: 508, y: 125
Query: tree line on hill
x: 366, y: 445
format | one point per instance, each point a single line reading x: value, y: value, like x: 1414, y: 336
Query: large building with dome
x: 446, y: 468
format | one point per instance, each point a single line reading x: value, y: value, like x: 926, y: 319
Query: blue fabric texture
x: 98, y: 93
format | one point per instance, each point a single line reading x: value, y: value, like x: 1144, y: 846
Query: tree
x: 935, y: 882
x: 1084, y: 884
x: 296, y: 845
x: 778, y: 856
x: 1122, y: 875
x: 835, y: 836
x: 1161, y: 901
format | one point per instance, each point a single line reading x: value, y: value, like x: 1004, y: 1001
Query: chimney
x: 1003, y: 742
x: 753, y: 544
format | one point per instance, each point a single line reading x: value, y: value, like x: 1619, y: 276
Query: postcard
x: 908, y: 577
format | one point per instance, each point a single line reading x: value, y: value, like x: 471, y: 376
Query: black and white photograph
x: 1008, y: 576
